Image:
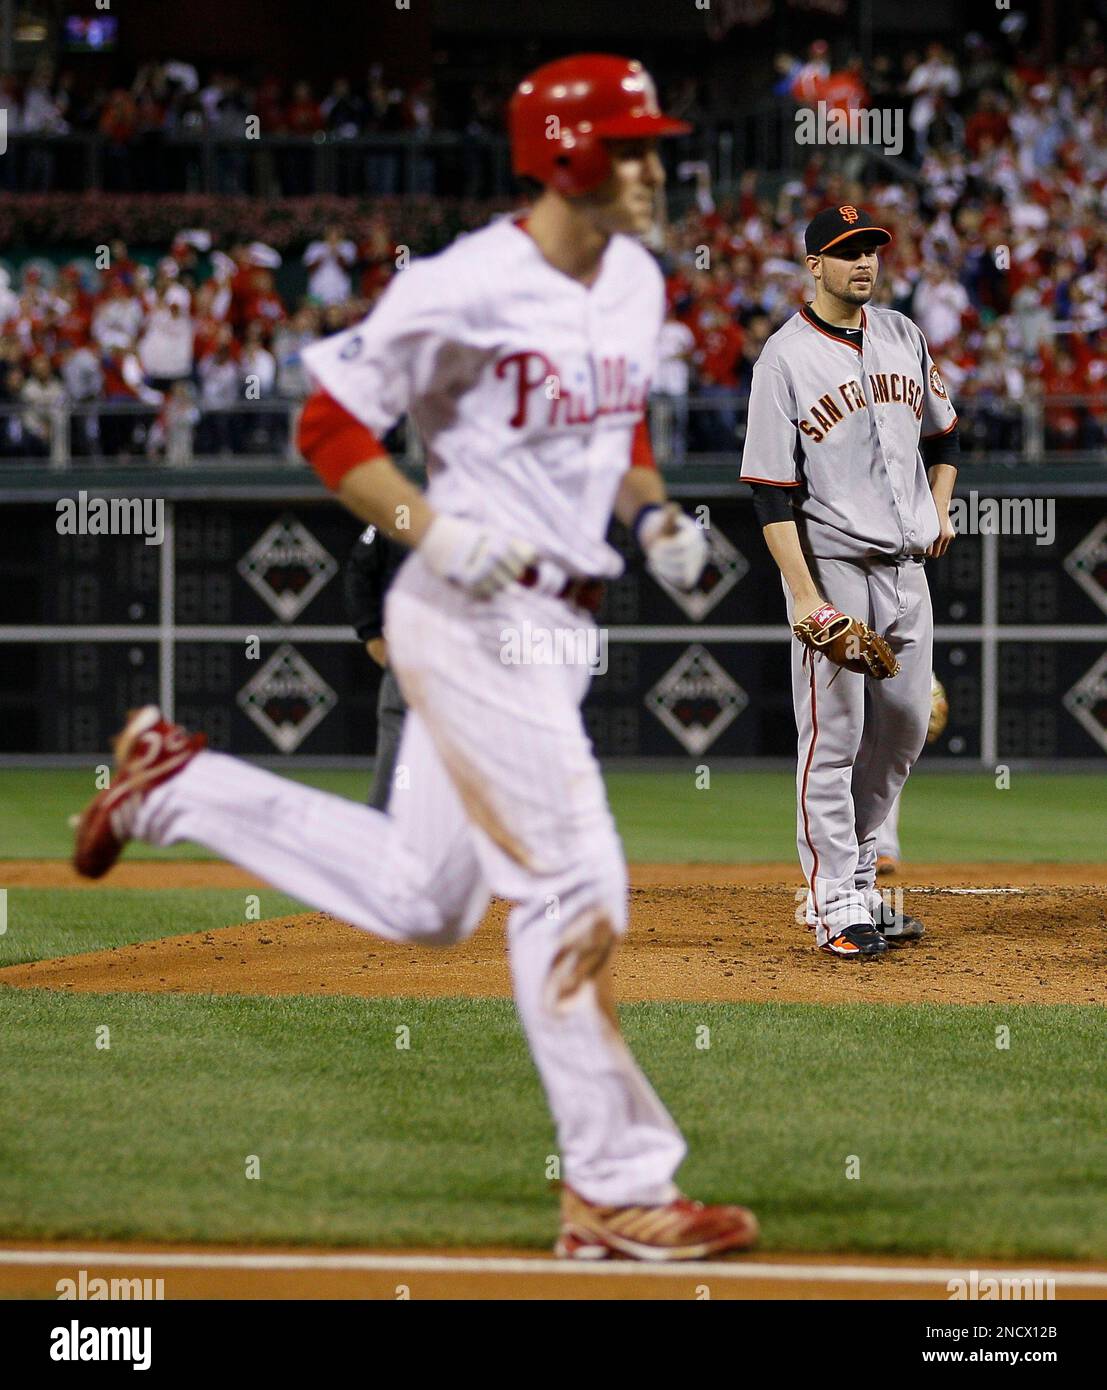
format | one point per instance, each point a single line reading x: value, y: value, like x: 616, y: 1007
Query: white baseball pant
x: 497, y: 792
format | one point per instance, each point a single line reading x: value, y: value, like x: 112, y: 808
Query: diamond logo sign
x: 287, y: 698
x: 725, y: 567
x: 287, y: 566
x: 1088, y: 564
x: 1087, y: 701
x: 696, y: 699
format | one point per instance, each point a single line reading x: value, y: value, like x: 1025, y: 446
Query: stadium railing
x: 437, y: 162
x: 472, y: 163
x: 701, y: 429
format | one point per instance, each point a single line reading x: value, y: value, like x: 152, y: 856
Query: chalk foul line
x: 493, y: 1264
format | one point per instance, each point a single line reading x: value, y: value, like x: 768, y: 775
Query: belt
x: 583, y: 593
x: 918, y: 557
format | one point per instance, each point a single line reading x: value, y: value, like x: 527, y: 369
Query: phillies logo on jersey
x: 608, y: 388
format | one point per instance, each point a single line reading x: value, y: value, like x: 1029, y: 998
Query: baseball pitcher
x: 851, y: 451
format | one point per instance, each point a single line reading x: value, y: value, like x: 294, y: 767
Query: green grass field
x: 47, y: 922
x: 744, y: 817
x: 964, y: 1148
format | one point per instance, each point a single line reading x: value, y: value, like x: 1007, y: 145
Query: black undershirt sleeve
x: 942, y: 448
x: 771, y: 503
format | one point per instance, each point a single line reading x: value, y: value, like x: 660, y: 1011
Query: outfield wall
x: 235, y: 623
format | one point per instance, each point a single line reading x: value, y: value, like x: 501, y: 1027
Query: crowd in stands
x: 1012, y: 302
x: 170, y: 99
x: 170, y: 96
x: 999, y: 253
x: 999, y: 247
x: 193, y: 339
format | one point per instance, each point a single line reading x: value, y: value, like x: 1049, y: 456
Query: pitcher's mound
x: 723, y: 943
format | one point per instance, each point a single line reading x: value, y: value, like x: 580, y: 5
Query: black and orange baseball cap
x: 833, y: 225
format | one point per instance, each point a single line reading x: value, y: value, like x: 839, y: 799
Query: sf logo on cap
x: 850, y: 213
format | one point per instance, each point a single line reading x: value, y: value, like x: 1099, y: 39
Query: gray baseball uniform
x: 887, y: 837
x: 839, y: 417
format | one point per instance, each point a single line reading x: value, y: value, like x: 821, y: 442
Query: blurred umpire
x: 370, y: 569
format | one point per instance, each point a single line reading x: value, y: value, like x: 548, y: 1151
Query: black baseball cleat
x: 896, y: 926
x: 855, y: 942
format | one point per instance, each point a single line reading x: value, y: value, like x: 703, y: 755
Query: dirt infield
x: 701, y: 933
x: 132, y: 873
x: 29, y: 1270
x: 213, y: 873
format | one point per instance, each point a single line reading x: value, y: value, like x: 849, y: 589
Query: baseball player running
x: 851, y: 451
x: 523, y: 354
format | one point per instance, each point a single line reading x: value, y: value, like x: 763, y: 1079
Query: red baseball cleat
x: 678, y: 1230
x: 148, y: 752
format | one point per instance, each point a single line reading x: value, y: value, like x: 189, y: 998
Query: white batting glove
x: 675, y: 547
x: 480, y: 561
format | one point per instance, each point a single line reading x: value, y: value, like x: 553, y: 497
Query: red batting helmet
x: 561, y: 114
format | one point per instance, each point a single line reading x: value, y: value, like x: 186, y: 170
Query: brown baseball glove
x: 848, y: 642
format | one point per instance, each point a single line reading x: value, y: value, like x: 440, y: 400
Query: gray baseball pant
x: 390, y: 726
x: 858, y: 737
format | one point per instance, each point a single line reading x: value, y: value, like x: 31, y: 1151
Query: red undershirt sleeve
x: 332, y: 440
x: 641, y: 449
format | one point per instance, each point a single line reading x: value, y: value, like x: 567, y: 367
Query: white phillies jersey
x: 842, y: 421
x: 525, y: 385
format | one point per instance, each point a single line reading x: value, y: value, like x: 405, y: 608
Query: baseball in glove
x: 848, y: 642
x: 939, y: 710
